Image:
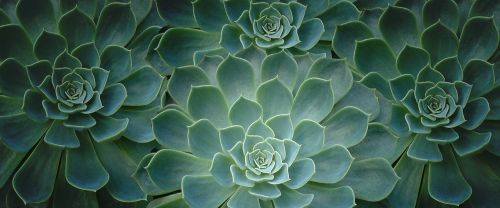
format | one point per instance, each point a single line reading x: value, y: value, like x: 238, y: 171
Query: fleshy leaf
x: 480, y: 75
x: 15, y: 44
x: 450, y: 68
x: 142, y: 87
x: 308, y: 104
x: 470, y: 142
x: 86, y: 28
x: 87, y: 54
x: 83, y: 168
x: 325, y: 196
x: 446, y: 183
x: 178, y: 45
x: 79, y: 121
x: 244, y: 112
x: 335, y: 70
x: 401, y: 85
x: 282, y: 66
x: 411, y: 60
x: 140, y: 125
x: 220, y: 169
x: 371, y: 179
x: 10, y: 106
x: 19, y: 132
x: 32, y: 106
x: 121, y: 185
x: 117, y: 61
x: 340, y: 13
x: 203, y: 139
x: 310, y: 33
x: 310, y: 135
x: 405, y: 192
x: 374, y: 55
x: 478, y: 31
x: 346, y: 35
x: 440, y: 42
x: 43, y: 162
x: 170, y: 128
x: 48, y: 46
x: 442, y: 135
x: 242, y: 197
x: 108, y: 128
x: 209, y: 103
x: 281, y: 126
x: 36, y: 16
x: 210, y: 19
x: 181, y: 81
x: 116, y: 25
x: 275, y: 98
x: 196, y: 191
x: 445, y: 11
x: 168, y: 167
x: 230, y: 136
x: 230, y: 38
x: 300, y: 172
x: 331, y: 164
x: 259, y: 128
x: 475, y: 113
x: 112, y: 99
x: 290, y: 198
x: 89, y: 7
x: 265, y: 191
x: 61, y: 136
x: 379, y: 142
x: 13, y: 78
x: 236, y: 81
x: 399, y: 28
x: 346, y: 127
x: 424, y: 150
x: 178, y: 13
x: 369, y: 104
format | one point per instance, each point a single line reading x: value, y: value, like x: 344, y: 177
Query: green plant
x: 443, y: 91
x: 68, y: 90
x: 219, y: 27
x: 274, y: 130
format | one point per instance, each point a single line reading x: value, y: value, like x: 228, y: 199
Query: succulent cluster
x: 249, y: 103
x: 433, y: 60
x: 265, y: 135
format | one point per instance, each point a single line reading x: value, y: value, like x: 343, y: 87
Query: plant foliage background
x: 249, y: 103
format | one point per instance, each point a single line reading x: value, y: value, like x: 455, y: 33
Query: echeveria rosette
x: 68, y: 90
x: 231, y: 25
x: 265, y: 129
x: 433, y: 60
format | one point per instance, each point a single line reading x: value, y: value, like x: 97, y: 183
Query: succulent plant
x: 217, y: 26
x: 443, y: 94
x: 264, y: 129
x: 68, y: 88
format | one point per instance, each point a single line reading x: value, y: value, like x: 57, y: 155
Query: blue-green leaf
x: 178, y: 45
x: 450, y: 68
x: 401, y: 85
x: 290, y: 198
x: 411, y: 60
x: 14, y: 79
x: 108, y: 128
x: 116, y: 25
x: 300, y: 172
x: 282, y: 66
x: 48, y: 46
x: 116, y: 60
x: 178, y: 13
x: 406, y: 191
x: 142, y: 86
x: 475, y: 113
x: 346, y: 127
x: 209, y: 103
x: 445, y: 11
x: 311, y: 136
x: 274, y: 97
x: 35, y: 179
x: 374, y: 55
x: 112, y: 99
x: 281, y: 126
x: 36, y: 16
x: 170, y: 128
x: 439, y: 41
x: 308, y: 104
x: 335, y: 70
x: 220, y: 169
x: 83, y: 168
x: 211, y: 19
x: 61, y: 136
x: 181, y: 81
x: 399, y: 28
x: 338, y: 14
x: 86, y: 28
x: 244, y: 112
x: 236, y: 81
x: 310, y: 33
x: 325, y: 196
x: 203, y: 139
x: 230, y: 38
x: 371, y: 179
x: 480, y: 75
x: 424, y: 150
x: 346, y: 36
x: 15, y: 44
x: 197, y: 191
x: 478, y: 31
x: 331, y: 164
x: 446, y: 183
x: 470, y: 142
